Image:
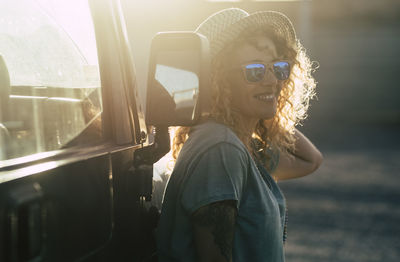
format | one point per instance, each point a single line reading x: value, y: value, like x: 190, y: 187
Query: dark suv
x: 71, y: 125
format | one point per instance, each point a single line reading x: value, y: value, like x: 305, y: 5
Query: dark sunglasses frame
x: 267, y: 66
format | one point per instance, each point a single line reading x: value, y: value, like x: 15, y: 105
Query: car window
x: 49, y: 76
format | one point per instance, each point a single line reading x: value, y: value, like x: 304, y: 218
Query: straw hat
x: 224, y: 26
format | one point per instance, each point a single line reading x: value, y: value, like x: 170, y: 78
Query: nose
x: 269, y: 78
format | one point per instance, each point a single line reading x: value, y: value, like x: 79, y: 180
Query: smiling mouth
x: 265, y: 97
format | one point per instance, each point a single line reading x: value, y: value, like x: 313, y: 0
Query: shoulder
x: 211, y: 137
x: 208, y: 144
x: 211, y: 133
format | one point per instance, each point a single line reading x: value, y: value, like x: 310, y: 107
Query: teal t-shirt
x: 214, y: 165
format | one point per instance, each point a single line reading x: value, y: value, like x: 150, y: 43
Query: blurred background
x: 349, y: 210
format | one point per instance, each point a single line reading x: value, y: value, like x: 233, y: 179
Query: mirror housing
x: 178, y: 82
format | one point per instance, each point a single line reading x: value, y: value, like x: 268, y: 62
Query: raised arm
x: 213, y: 227
x: 305, y: 159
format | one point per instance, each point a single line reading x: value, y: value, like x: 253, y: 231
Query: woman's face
x: 254, y: 100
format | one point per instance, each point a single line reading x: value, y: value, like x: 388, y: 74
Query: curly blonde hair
x: 293, y: 102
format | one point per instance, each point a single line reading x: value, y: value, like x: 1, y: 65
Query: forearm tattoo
x: 220, y: 218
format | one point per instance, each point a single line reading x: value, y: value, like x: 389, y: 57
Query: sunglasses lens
x: 281, y: 70
x: 255, y: 72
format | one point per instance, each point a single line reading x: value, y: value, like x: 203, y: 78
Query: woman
x: 222, y: 202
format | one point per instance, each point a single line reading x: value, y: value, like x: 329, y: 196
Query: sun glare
x: 26, y: 171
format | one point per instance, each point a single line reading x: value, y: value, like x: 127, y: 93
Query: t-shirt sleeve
x: 220, y: 174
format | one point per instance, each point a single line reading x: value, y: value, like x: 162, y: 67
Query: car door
x: 69, y: 128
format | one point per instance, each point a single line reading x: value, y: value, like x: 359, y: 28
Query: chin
x: 268, y: 115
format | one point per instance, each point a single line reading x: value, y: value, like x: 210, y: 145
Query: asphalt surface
x: 348, y: 210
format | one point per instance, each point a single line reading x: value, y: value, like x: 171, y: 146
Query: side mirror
x: 177, y: 91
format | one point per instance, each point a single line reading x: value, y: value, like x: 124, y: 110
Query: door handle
x: 25, y: 223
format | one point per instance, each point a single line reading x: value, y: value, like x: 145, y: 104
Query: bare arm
x: 305, y: 159
x: 214, y: 226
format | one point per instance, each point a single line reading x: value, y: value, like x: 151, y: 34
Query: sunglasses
x: 255, y: 72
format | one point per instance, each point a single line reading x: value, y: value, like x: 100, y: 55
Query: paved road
x: 349, y: 210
